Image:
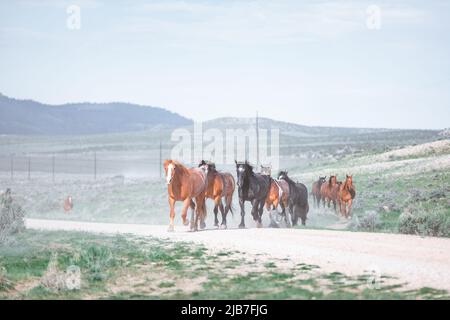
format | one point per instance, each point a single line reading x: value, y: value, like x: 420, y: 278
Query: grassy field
x: 401, y: 176
x: 119, y: 267
x: 404, y: 191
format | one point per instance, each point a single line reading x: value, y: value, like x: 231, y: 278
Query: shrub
x: 428, y: 223
x: 11, y: 216
x: 369, y: 222
x: 97, y: 260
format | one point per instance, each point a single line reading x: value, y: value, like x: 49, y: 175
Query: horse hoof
x: 170, y: 229
x: 259, y: 225
x: 186, y: 222
x: 242, y: 226
x: 273, y: 225
x: 223, y: 226
x: 202, y: 225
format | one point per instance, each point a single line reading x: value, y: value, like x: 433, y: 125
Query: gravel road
x: 417, y: 261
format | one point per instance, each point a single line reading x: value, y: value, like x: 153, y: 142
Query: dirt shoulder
x: 417, y: 261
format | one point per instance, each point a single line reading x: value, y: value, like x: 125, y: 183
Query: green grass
x: 163, y: 268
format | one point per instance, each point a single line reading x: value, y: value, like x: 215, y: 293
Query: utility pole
x: 160, y: 158
x: 53, y: 168
x: 257, y: 140
x: 12, y: 166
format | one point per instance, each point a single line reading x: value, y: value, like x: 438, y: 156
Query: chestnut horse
x: 347, y: 193
x: 220, y: 185
x: 185, y: 184
x: 315, y: 191
x: 278, y: 195
x: 329, y: 192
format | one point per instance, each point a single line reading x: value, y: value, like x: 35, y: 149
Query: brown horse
x: 68, y: 204
x: 315, y: 191
x: 220, y: 185
x: 278, y: 195
x: 328, y: 191
x: 347, y: 193
x: 185, y: 184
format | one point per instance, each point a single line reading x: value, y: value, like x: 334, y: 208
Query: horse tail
x: 352, y: 193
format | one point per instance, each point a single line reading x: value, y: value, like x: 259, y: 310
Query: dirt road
x: 419, y: 262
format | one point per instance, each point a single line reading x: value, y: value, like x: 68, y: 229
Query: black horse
x: 252, y: 187
x: 298, y: 199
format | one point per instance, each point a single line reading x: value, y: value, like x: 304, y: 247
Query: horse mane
x: 285, y: 173
x: 329, y: 180
x: 182, y: 168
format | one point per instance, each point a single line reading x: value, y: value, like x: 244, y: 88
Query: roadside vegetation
x: 39, y: 265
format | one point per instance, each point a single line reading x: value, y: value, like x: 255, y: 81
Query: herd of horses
x: 193, y: 186
x: 341, y: 194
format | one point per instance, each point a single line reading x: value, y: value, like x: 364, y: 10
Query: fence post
x: 160, y: 159
x: 12, y: 166
x: 95, y: 165
x: 53, y: 168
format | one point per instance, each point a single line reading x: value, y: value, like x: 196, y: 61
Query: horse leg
x: 172, y: 214
x: 224, y: 215
x: 343, y: 208
x: 186, y: 205
x: 216, y: 211
x: 260, y: 206
x: 217, y: 204
x: 202, y: 216
x: 349, y: 210
x: 270, y: 208
x: 242, y: 205
x: 284, y: 214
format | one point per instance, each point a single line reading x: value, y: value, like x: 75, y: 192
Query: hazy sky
x: 310, y: 62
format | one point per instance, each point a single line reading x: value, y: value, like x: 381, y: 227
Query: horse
x: 68, y: 204
x: 185, y: 184
x: 329, y: 192
x: 252, y: 187
x: 278, y: 195
x: 347, y: 193
x: 298, y: 199
x: 220, y: 185
x: 315, y: 190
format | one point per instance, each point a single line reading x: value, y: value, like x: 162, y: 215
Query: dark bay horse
x: 185, y: 184
x: 298, y: 198
x: 347, y: 193
x: 220, y: 185
x: 252, y: 187
x: 315, y: 191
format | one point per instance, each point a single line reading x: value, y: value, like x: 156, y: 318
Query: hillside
x: 28, y: 117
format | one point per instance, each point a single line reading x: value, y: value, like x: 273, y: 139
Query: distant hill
x: 28, y: 117
x: 288, y: 128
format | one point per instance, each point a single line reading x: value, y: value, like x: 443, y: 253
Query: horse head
x: 349, y: 180
x: 332, y: 180
x: 283, y: 175
x: 266, y: 170
x: 169, y: 169
x: 322, y: 180
x: 243, y: 171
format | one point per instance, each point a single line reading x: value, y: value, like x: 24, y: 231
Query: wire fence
x: 91, y: 165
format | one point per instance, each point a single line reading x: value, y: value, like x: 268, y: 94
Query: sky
x: 329, y: 63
